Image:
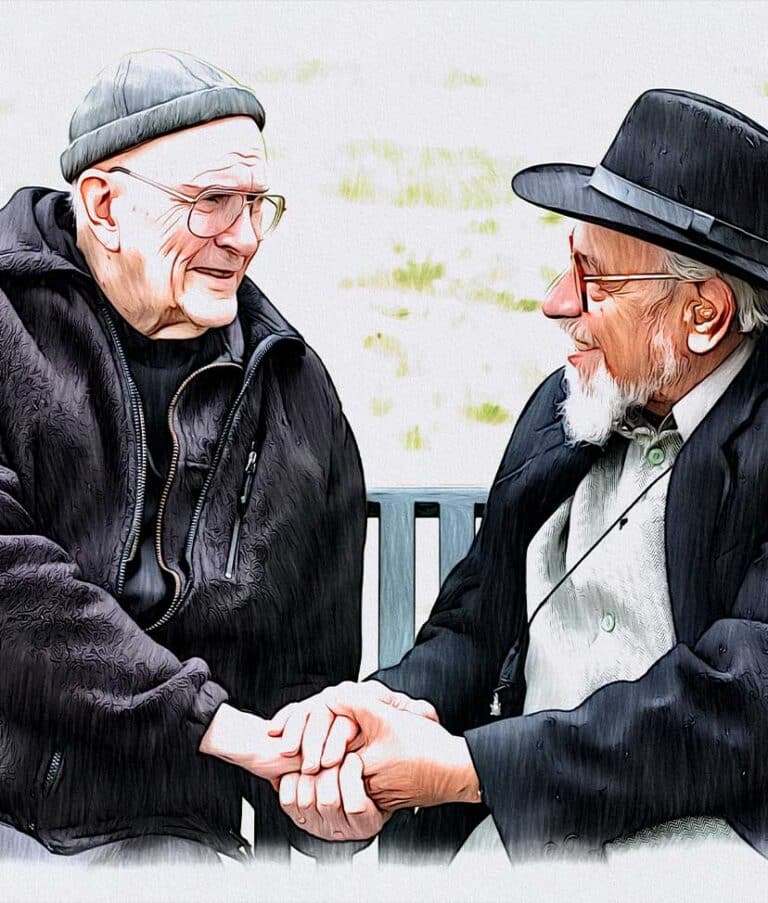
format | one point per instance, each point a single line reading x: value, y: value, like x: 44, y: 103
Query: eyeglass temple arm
x: 632, y: 277
x: 170, y: 191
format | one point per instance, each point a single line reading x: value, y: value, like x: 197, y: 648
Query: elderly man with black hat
x: 599, y: 660
x: 181, y: 497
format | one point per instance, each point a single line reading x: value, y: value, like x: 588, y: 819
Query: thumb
x: 406, y: 703
x: 370, y: 714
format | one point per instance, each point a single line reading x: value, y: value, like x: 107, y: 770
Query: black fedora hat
x: 684, y: 172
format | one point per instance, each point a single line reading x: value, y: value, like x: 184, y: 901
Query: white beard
x: 592, y: 410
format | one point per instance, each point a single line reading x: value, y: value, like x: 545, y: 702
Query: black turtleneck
x: 158, y: 367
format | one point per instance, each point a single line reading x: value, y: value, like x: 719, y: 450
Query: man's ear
x: 96, y: 196
x: 709, y: 314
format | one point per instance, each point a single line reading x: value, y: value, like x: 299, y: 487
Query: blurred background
x: 394, y: 130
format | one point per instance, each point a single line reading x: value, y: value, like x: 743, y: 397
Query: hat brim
x: 564, y: 188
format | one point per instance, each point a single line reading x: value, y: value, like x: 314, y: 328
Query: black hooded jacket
x: 101, y: 712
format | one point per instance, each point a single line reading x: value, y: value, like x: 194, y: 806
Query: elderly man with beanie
x: 599, y: 660
x: 181, y: 498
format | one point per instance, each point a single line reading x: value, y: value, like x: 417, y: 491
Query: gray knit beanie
x: 146, y: 95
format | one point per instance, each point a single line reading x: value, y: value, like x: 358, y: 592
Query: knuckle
x: 328, y: 807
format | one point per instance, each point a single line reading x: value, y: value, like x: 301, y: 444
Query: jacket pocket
x: 243, y: 495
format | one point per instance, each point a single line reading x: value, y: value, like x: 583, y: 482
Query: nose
x: 241, y: 235
x: 562, y: 299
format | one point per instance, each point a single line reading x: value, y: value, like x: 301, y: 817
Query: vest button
x: 656, y: 456
x: 608, y: 621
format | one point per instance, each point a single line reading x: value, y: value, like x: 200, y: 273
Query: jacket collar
x: 705, y: 476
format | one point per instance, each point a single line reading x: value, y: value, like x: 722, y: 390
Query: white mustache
x: 578, y: 331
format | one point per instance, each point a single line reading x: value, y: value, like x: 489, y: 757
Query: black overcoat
x: 690, y: 736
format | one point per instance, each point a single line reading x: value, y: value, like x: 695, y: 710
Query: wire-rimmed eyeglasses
x: 582, y: 279
x: 214, y: 210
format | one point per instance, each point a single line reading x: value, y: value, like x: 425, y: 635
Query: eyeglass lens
x: 213, y: 214
x: 577, y: 275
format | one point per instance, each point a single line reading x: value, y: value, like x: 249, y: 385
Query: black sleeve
x: 75, y: 666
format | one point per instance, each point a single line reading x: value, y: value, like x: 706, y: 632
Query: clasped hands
x: 345, y: 759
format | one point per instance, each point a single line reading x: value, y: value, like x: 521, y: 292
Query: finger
x: 369, y: 712
x: 353, y: 796
x: 342, y: 732
x: 278, y: 721
x: 294, y: 731
x: 315, y: 734
x: 287, y: 793
x: 408, y: 704
x: 305, y: 794
x: 329, y: 804
x: 363, y: 817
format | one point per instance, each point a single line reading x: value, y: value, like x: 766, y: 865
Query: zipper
x: 172, y: 473
x: 52, y: 773
x: 242, y: 502
x: 137, y: 415
x: 256, y: 358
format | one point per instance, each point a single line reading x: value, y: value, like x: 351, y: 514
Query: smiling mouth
x: 216, y: 274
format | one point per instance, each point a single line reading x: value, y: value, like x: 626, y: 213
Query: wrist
x: 229, y: 735
x: 464, y: 783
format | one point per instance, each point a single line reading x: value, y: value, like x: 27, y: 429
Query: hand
x: 332, y: 805
x: 408, y: 760
x: 242, y: 738
x: 323, y: 736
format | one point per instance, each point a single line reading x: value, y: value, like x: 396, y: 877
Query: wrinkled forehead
x: 224, y: 153
x: 608, y: 251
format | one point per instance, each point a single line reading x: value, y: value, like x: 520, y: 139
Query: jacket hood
x: 37, y: 237
x: 37, y: 234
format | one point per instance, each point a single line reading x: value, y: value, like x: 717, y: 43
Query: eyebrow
x: 196, y: 188
x: 199, y: 182
x: 588, y: 261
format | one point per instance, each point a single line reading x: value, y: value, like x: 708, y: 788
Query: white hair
x: 75, y: 203
x: 751, y: 301
x: 594, y: 407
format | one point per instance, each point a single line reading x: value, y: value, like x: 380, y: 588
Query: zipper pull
x: 242, y: 501
x: 247, y: 484
x: 496, y: 701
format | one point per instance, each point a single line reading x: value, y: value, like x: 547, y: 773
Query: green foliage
x: 487, y: 413
x: 303, y: 73
x: 415, y: 275
x: 548, y: 275
x: 484, y: 227
x: 380, y: 407
x: 418, y: 275
x: 311, y: 70
x: 396, y: 313
x: 551, y: 219
x: 458, y: 79
x: 467, y: 179
x: 357, y: 188
x: 412, y: 440
x: 383, y: 344
x: 390, y: 347
x: 503, y: 299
